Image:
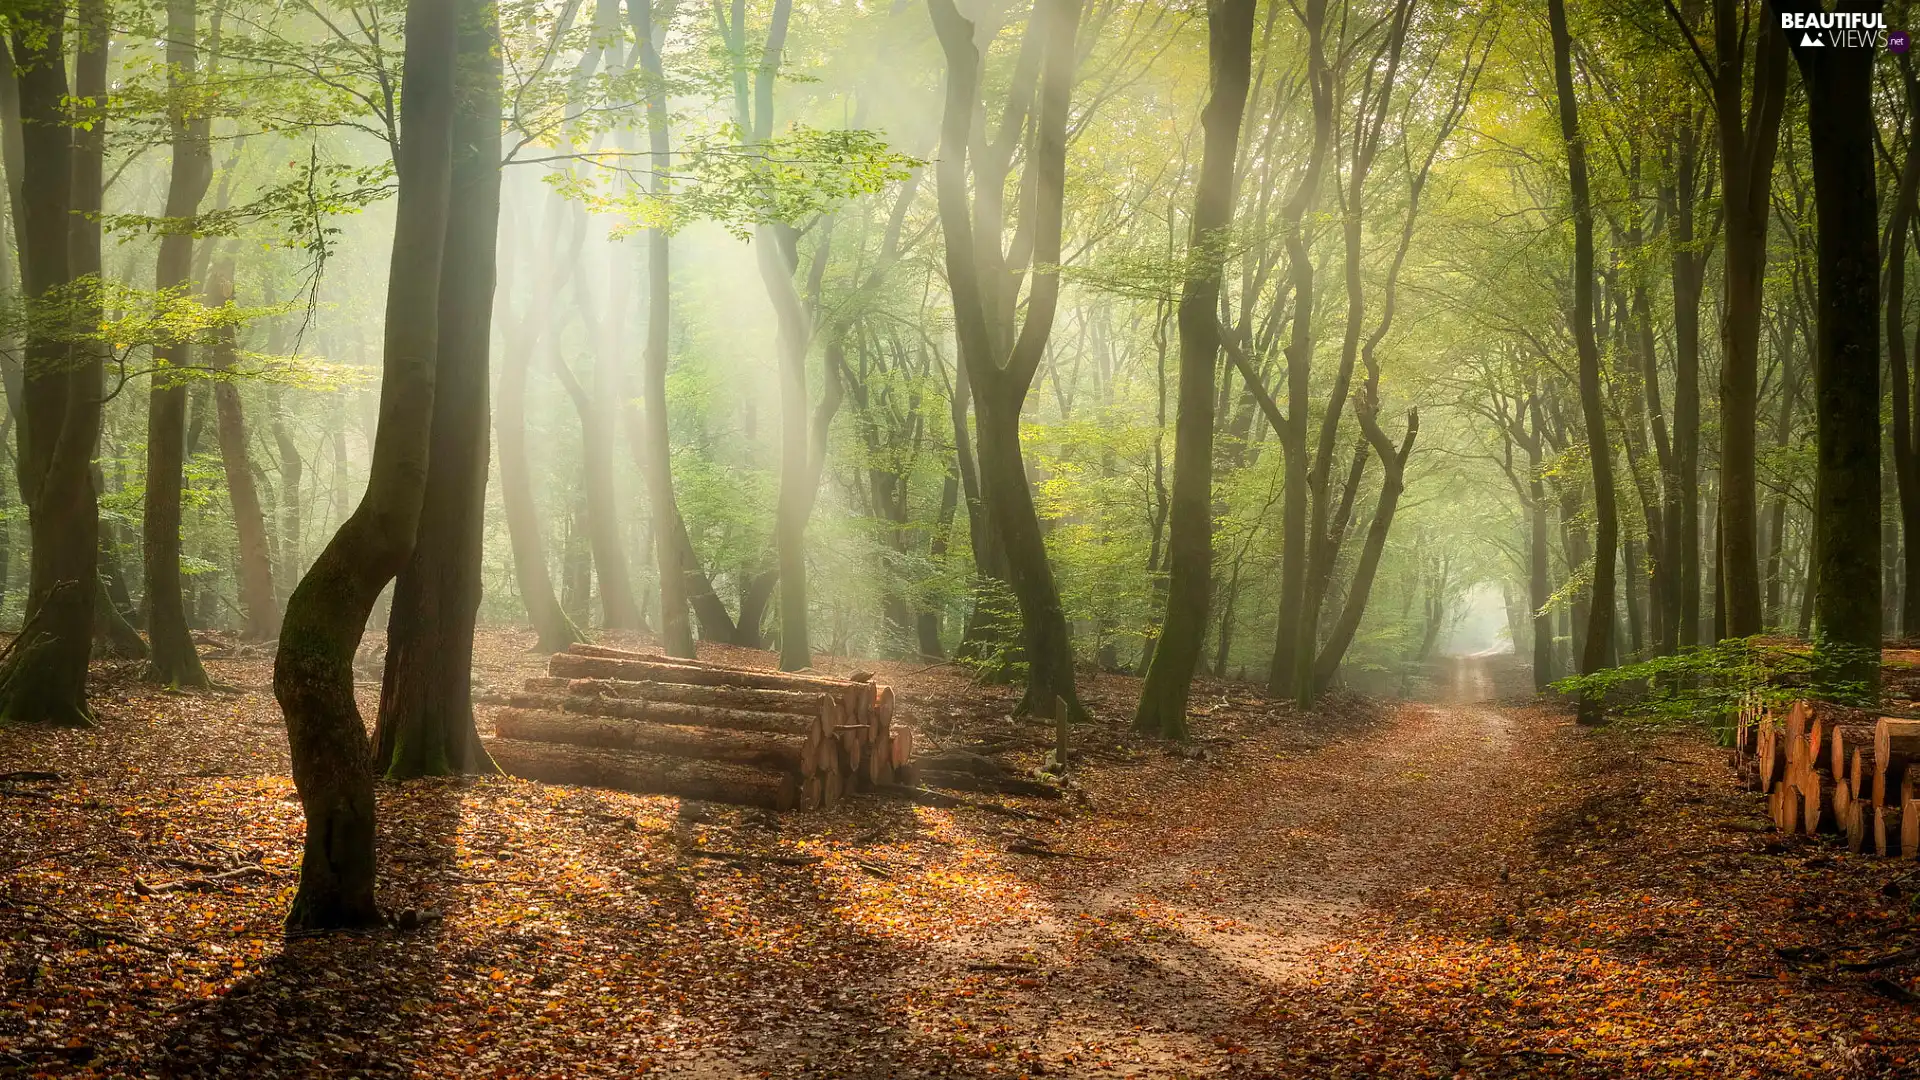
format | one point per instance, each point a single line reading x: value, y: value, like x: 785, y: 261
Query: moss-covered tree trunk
x: 172, y: 659
x: 313, y: 670
x: 1163, y: 696
x: 426, y: 723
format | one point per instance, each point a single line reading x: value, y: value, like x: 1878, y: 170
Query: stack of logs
x: 1832, y: 769
x: 657, y: 725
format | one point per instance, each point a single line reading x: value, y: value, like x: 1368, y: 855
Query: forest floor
x: 1466, y: 886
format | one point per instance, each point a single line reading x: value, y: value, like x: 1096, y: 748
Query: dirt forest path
x: 1463, y: 889
x: 1161, y: 969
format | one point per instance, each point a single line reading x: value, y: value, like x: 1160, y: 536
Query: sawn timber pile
x: 1832, y: 769
x: 659, y: 725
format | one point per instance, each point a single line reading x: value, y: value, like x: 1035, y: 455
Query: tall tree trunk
x: 257, y: 600
x: 1539, y: 572
x: 552, y: 626
x: 1906, y: 446
x: 1163, y: 696
x: 1689, y: 273
x: 313, y: 670
x: 1747, y: 145
x: 1592, y: 404
x: 1846, y: 372
x: 43, y: 672
x: 669, y: 547
x: 619, y: 610
x: 1000, y: 364
x: 426, y: 725
x: 173, y: 659
x: 1282, y: 676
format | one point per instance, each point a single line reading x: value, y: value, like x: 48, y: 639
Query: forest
x: 887, y: 538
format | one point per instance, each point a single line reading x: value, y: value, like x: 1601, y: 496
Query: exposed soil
x: 1461, y: 888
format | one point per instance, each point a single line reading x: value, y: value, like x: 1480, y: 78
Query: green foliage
x: 1703, y: 686
x: 742, y: 185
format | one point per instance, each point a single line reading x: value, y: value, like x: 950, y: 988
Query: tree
x: 327, y: 614
x: 672, y: 554
x: 1163, y: 696
x: 1594, y: 655
x: 43, y: 673
x: 1839, y: 86
x: 173, y: 659
x: 984, y: 281
x: 426, y: 725
x: 257, y: 599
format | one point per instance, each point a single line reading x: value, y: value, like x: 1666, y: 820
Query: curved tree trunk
x: 1163, y: 695
x: 426, y: 723
x: 1001, y: 364
x: 313, y: 670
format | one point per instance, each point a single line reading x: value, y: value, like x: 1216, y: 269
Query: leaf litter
x: 1366, y: 890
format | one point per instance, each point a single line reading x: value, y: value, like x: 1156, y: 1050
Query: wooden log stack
x: 653, y: 724
x: 1832, y: 769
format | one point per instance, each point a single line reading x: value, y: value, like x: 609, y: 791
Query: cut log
x: 1860, y: 775
x: 762, y: 750
x: 799, y: 702
x: 1824, y: 719
x: 1769, y: 756
x: 1896, y: 745
x: 1887, y: 836
x: 1859, y: 826
x: 667, y: 712
x: 1777, y: 805
x: 1816, y: 809
x: 646, y: 774
x: 1842, y: 741
x: 655, y: 669
x: 1910, y: 829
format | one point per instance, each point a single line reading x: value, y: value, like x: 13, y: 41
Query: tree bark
x: 43, y: 673
x: 426, y: 725
x: 1748, y: 140
x: 671, y: 552
x: 257, y: 600
x: 1282, y: 675
x: 313, y: 670
x: 551, y: 624
x: 173, y: 659
x: 1688, y: 273
x: 1846, y: 381
x: 1163, y: 696
x: 1592, y: 405
x: 1906, y: 448
x: 1000, y: 364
